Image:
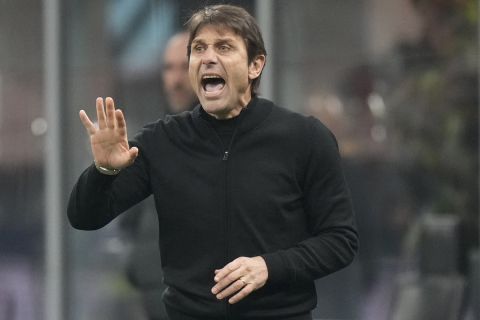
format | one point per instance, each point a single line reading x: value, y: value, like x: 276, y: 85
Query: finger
x: 228, y: 279
x: 110, y: 108
x: 249, y: 288
x: 87, y: 123
x: 121, y: 124
x: 232, y: 266
x: 102, y: 124
x: 231, y: 289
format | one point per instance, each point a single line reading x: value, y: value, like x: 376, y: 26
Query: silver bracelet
x: 107, y: 171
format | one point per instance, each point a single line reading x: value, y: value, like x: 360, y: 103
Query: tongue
x: 210, y: 87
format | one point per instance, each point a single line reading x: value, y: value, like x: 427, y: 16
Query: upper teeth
x: 211, y: 77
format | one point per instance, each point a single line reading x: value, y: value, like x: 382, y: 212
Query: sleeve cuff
x: 277, y: 270
x: 97, y: 176
x: 97, y: 180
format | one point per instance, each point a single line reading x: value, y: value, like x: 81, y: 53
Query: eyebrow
x: 221, y: 40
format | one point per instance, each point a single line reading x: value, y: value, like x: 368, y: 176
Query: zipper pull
x: 225, y: 156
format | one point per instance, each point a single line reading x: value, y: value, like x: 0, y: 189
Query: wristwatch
x: 107, y: 171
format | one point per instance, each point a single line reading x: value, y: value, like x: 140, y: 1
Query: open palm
x: 109, y: 141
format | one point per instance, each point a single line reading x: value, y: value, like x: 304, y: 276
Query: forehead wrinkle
x: 221, y: 30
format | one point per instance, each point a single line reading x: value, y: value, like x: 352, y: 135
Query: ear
x: 256, y: 66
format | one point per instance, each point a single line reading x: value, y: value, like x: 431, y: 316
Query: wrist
x: 107, y: 171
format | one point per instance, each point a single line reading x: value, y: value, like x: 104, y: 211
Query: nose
x: 209, y: 56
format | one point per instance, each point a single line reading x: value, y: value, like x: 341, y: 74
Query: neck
x: 224, y: 116
x: 232, y: 113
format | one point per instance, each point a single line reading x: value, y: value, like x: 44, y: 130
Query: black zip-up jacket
x: 277, y: 191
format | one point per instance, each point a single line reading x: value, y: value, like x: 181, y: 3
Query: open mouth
x: 212, y: 83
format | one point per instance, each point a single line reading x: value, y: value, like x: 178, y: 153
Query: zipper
x: 225, y: 157
x: 227, y: 223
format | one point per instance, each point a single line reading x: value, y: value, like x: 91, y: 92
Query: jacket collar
x: 254, y: 113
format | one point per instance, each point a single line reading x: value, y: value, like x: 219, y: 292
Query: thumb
x: 133, y: 152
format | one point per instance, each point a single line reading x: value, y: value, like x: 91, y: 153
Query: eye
x: 198, y: 48
x: 224, y: 48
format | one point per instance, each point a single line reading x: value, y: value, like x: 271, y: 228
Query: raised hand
x: 109, y: 141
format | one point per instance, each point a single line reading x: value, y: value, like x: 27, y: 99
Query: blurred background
x: 396, y: 81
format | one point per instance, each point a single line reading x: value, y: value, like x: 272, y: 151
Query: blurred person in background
x: 251, y: 199
x: 144, y: 270
x: 176, y: 83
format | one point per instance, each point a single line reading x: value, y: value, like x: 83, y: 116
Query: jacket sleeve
x: 334, y: 241
x: 96, y: 199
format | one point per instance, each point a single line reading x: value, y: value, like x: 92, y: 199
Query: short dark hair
x: 235, y: 18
